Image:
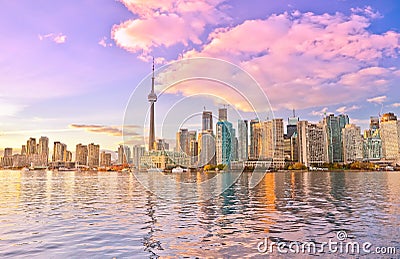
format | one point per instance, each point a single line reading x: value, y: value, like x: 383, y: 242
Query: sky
x: 69, y: 69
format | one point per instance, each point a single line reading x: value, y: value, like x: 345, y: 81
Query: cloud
x: 165, y: 24
x: 345, y: 109
x: 57, y: 38
x: 320, y: 113
x: 104, y: 42
x: 395, y: 105
x: 109, y: 130
x: 378, y: 99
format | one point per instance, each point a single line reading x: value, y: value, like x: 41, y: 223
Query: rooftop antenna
x: 294, y: 113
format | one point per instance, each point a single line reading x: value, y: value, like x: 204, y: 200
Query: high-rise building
x: 272, y: 142
x: 256, y: 136
x: 138, y: 152
x: 182, y: 141
x: 93, y: 155
x: 105, y: 159
x: 152, y: 98
x: 7, y: 160
x: 291, y: 128
x: 389, y: 132
x: 124, y: 154
x: 81, y: 154
x: 223, y: 114
x: 311, y: 143
x: 224, y: 142
x: 352, y: 144
x: 207, y: 121
x: 43, y: 150
x: 333, y: 130
x: 243, y: 140
x: 59, y: 152
x: 206, y: 143
x: 23, y: 150
x: 31, y: 146
x: 8, y: 151
x: 374, y: 123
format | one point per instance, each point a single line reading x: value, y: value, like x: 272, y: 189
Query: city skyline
x: 66, y: 78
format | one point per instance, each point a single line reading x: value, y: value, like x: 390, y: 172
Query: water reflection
x: 110, y: 214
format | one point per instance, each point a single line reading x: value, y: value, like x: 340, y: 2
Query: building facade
x: 352, y: 143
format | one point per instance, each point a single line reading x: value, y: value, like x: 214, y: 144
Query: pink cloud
x: 165, y: 24
x: 304, y: 59
x: 57, y: 38
x: 378, y: 99
x: 345, y: 109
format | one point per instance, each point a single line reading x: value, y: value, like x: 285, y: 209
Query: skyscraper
x: 207, y: 121
x: 311, y: 143
x: 43, y: 150
x: 124, y: 154
x: 352, y: 143
x: 390, y: 132
x: 333, y: 130
x: 224, y: 142
x: 59, y: 152
x: 138, y: 152
x: 152, y: 97
x: 223, y: 114
x: 31, y: 146
x: 105, y: 159
x: 255, y: 139
x: 291, y: 128
x: 182, y: 141
x: 81, y: 154
x: 93, y: 155
x: 243, y: 142
x: 206, y: 140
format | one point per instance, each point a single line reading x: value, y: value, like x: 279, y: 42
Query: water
x: 109, y: 214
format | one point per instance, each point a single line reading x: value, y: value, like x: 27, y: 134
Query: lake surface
x: 45, y: 214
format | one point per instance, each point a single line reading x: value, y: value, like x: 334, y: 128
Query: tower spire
x: 152, y: 98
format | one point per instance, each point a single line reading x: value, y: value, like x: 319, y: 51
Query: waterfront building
x: 137, y: 151
x: 81, y: 154
x: 333, y: 131
x: 291, y: 128
x: 207, y: 121
x: 255, y: 139
x: 93, y: 155
x: 311, y: 143
x: 163, y: 159
x: 161, y: 144
x: 31, y: 147
x: 183, y: 141
x: 19, y: 161
x: 389, y: 132
x: 105, y: 159
x: 59, y: 152
x: 352, y: 143
x: 23, y: 150
x: 223, y: 114
x: 206, y: 141
x: 372, y: 148
x: 43, y: 151
x: 124, y: 155
x: 7, y: 159
x: 224, y: 142
x: 273, y: 142
x: 243, y: 140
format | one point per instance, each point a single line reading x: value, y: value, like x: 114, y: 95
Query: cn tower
x: 152, y: 97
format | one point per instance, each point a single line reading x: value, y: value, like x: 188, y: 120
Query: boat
x: 177, y: 169
x: 25, y: 169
